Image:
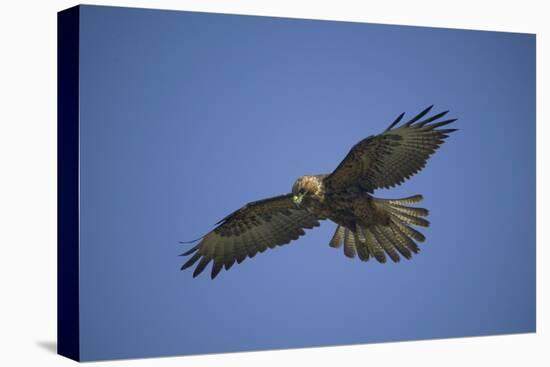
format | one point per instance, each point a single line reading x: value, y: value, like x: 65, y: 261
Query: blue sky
x: 185, y: 117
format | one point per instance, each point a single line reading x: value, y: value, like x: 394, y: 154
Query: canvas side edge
x: 68, y: 324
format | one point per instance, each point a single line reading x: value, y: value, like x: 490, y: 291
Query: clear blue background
x: 185, y: 117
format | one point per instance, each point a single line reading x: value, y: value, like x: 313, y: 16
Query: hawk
x: 367, y: 227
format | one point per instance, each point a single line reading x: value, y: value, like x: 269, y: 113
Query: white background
x: 28, y: 182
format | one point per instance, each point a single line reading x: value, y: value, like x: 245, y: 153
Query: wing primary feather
x: 193, y: 241
x: 202, y: 264
x: 216, y: 268
x: 433, y: 118
x: 442, y: 123
x: 191, y: 261
x: 419, y: 116
x: 395, y: 122
x: 190, y: 251
x: 448, y: 131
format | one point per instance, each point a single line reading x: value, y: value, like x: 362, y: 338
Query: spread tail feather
x: 395, y: 238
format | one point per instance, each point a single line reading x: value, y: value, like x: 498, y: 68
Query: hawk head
x: 306, y: 187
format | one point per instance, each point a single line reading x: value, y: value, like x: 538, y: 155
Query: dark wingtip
x: 201, y: 266
x: 419, y: 116
x: 433, y: 118
x: 192, y: 241
x: 196, y: 272
x: 442, y: 123
x: 448, y: 131
x: 395, y: 122
x: 216, y: 268
x: 190, y: 251
x: 191, y: 261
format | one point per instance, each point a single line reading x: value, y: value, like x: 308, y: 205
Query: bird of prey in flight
x: 367, y: 227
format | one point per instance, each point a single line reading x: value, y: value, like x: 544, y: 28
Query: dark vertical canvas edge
x: 68, y: 326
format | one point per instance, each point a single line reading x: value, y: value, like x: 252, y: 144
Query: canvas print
x: 378, y: 180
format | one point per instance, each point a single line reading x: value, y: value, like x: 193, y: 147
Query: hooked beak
x: 298, y: 199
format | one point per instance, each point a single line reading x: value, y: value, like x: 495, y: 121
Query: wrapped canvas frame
x: 79, y: 337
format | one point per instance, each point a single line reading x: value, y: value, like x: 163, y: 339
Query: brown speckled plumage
x: 367, y: 227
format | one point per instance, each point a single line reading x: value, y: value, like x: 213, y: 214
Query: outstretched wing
x: 388, y: 159
x: 254, y: 228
